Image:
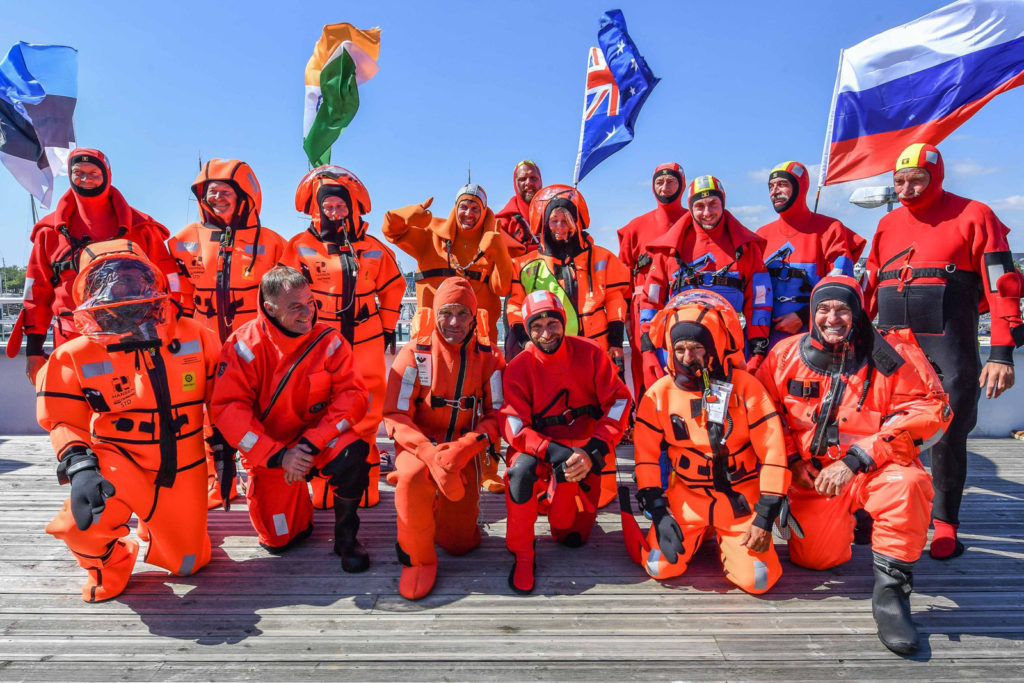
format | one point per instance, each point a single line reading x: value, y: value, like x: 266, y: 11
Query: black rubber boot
x: 890, y: 604
x: 354, y: 558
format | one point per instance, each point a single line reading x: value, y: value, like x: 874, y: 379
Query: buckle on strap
x: 461, y: 403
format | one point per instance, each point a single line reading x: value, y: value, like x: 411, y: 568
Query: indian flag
x: 344, y: 58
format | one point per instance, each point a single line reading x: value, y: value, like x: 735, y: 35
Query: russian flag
x: 919, y: 82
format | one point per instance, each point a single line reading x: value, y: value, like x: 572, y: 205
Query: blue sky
x: 745, y: 85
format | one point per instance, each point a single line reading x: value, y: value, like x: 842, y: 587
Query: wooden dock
x: 594, y: 616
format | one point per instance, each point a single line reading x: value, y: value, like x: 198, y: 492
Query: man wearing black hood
x: 859, y: 409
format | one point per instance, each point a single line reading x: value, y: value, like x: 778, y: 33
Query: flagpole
x: 35, y: 214
x: 823, y: 169
x: 583, y: 120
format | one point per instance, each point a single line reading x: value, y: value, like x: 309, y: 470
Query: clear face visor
x: 122, y: 299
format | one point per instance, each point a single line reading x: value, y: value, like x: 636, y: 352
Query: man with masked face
x: 357, y: 285
x: 124, y: 404
x: 724, y: 440
x: 565, y: 411
x: 514, y: 219
x: 801, y: 247
x: 859, y: 408
x: 589, y: 281
x: 469, y: 244
x: 444, y: 392
x: 92, y: 210
x: 709, y: 249
x: 668, y: 184
x: 288, y: 397
x: 223, y: 257
x: 934, y: 263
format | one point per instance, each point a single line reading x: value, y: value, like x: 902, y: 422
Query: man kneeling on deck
x: 287, y: 394
x: 443, y: 395
x: 565, y: 411
x: 124, y: 407
x: 725, y: 444
x: 859, y: 408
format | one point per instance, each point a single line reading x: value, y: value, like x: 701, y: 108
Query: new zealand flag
x: 618, y: 83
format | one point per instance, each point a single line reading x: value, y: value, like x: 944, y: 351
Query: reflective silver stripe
x: 373, y: 253
x: 281, y: 524
x: 652, y: 562
x: 600, y: 265
x: 173, y: 282
x: 248, y: 441
x: 28, y: 288
x: 330, y: 444
x: 307, y: 251
x: 654, y: 292
x: 497, y: 391
x: 189, y: 246
x: 189, y: 347
x: 760, y: 576
x: 760, y: 294
x: 343, y: 426
x: 515, y: 423
x: 617, y: 409
x: 260, y: 251
x: 96, y: 369
x: 408, y: 384
x: 188, y: 564
x: 244, y: 351
x: 931, y: 441
x: 333, y: 346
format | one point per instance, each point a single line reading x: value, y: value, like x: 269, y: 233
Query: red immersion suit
x: 554, y: 403
x: 633, y: 240
x: 802, y: 247
x: 57, y: 241
x: 934, y: 263
x: 728, y: 259
x: 275, y: 390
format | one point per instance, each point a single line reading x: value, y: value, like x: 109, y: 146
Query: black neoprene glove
x: 670, y: 536
x: 89, y: 490
x: 390, y: 341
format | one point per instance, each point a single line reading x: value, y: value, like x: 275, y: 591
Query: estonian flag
x: 38, y: 93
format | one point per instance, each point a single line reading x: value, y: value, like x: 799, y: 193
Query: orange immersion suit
x: 441, y: 410
x: 57, y: 242
x: 554, y: 403
x: 275, y: 390
x: 223, y: 263
x: 133, y: 404
x: 728, y: 467
x: 589, y: 280
x: 358, y: 288
x: 442, y: 249
x: 874, y: 407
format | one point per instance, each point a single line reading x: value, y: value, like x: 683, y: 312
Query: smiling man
x: 565, y: 411
x: 514, y: 219
x: 859, y: 408
x: 287, y: 396
x: 443, y: 396
x: 933, y: 262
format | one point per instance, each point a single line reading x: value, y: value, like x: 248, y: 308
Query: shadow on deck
x: 594, y: 615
